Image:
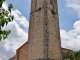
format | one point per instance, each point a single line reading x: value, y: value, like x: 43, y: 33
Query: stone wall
x: 44, y: 34
x: 21, y: 53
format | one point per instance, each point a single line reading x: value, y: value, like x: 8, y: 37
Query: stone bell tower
x: 44, y: 35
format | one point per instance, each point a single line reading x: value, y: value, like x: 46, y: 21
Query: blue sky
x: 65, y: 14
x: 69, y: 18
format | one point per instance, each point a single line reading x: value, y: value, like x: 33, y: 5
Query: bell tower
x: 44, y: 35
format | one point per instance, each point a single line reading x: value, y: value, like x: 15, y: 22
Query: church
x: 44, y: 35
x: 21, y: 53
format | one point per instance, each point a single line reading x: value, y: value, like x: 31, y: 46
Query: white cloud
x: 74, y: 4
x: 19, y: 19
x: 5, y: 6
x: 71, y: 39
x: 17, y: 37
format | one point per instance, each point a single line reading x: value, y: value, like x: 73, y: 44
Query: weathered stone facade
x: 21, y: 53
x: 44, y: 35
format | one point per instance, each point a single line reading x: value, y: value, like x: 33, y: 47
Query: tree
x: 5, y: 18
x: 75, y: 55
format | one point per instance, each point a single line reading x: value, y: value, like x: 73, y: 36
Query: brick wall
x: 13, y: 58
x: 65, y: 53
x: 21, y: 52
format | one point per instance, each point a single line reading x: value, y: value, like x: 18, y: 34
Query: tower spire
x: 44, y: 36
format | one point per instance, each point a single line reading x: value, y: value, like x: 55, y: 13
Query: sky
x: 69, y: 21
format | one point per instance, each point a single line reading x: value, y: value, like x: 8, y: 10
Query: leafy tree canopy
x: 5, y: 18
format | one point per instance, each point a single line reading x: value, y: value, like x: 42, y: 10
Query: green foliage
x: 3, y: 1
x: 75, y: 55
x: 67, y: 59
x: 5, y: 18
x: 10, y: 6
